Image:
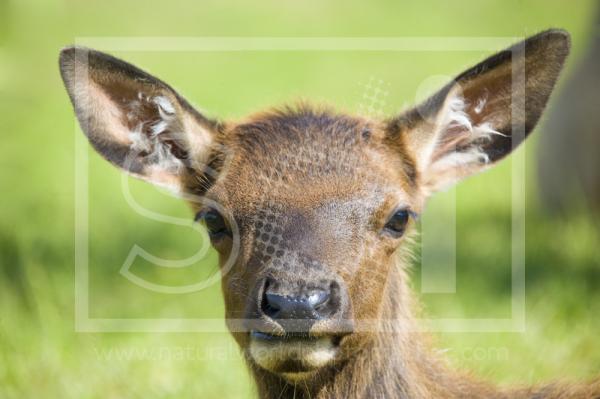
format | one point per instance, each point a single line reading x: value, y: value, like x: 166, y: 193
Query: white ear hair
x: 467, y: 136
x: 135, y: 120
x: 468, y: 124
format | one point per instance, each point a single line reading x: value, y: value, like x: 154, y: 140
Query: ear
x: 133, y: 119
x: 483, y: 114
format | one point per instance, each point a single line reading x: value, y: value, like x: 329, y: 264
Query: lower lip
x: 292, y: 357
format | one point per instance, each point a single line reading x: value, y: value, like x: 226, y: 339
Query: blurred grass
x: 41, y: 355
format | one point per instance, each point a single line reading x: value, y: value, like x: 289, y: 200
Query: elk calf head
x: 306, y: 207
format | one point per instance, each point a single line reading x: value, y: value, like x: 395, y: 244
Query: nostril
x: 328, y: 303
x: 269, y: 304
x: 318, y: 299
x: 270, y: 309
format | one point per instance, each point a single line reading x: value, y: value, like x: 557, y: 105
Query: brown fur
x: 307, y: 194
x: 378, y: 365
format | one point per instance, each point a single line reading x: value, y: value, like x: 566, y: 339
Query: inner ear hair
x: 134, y: 120
x: 485, y: 112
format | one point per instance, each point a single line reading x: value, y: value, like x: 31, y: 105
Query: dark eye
x: 397, y: 223
x: 214, y: 222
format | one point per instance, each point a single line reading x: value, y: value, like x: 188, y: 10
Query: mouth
x: 294, y: 356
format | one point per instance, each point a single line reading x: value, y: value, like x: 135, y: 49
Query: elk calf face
x: 313, y: 195
x: 308, y: 208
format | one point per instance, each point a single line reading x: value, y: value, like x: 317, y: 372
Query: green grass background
x: 41, y: 355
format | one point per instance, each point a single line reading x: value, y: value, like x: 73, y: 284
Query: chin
x: 293, y: 358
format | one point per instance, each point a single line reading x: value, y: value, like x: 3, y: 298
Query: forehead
x: 303, y: 158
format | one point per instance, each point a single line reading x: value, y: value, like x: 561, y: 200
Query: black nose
x: 301, y: 304
x: 295, y: 307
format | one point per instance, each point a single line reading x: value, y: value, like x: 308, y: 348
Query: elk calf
x: 309, y: 210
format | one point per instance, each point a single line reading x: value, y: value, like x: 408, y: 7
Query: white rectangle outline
x: 83, y: 321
